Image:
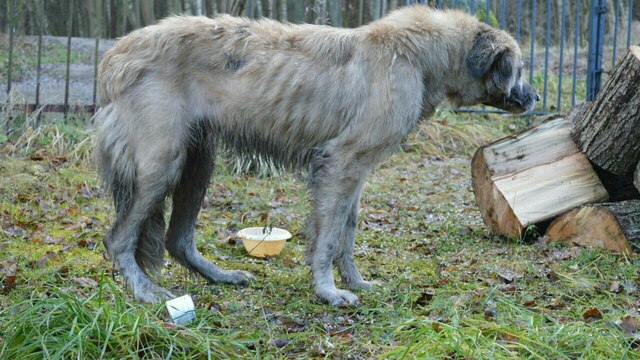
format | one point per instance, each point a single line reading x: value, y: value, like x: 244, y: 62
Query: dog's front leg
x: 335, y: 187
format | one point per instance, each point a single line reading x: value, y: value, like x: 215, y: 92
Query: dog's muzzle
x: 521, y: 99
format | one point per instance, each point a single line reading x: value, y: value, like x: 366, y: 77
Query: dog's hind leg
x: 140, y: 164
x: 187, y: 200
x: 141, y: 219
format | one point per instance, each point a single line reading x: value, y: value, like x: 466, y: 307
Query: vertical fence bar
x: 518, y: 20
x: 561, y: 67
x: 39, y: 57
x: 455, y: 3
x: 11, y: 9
x: 488, y: 10
x: 547, y: 43
x: 96, y: 54
x: 615, y: 32
x: 532, y: 56
x: 576, y: 40
x: 125, y: 17
x: 596, y: 44
x: 487, y: 18
x: 503, y: 15
x: 360, y: 12
x: 439, y: 4
x: 68, y: 70
x: 251, y: 9
x: 630, y: 23
x: 472, y: 7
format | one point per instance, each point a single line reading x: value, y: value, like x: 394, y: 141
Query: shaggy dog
x: 336, y: 101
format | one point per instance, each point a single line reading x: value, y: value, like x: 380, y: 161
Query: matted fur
x: 335, y: 100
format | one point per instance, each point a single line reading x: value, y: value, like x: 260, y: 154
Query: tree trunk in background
x: 335, y: 12
x: 608, y: 130
x: 283, y: 11
x: 272, y: 9
x: 374, y: 8
x: 612, y: 226
x: 146, y: 12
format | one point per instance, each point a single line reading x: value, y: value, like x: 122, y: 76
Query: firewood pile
x: 576, y: 176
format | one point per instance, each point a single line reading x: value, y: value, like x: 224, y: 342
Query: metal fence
x: 568, y: 46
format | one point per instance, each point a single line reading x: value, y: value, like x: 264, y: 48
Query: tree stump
x: 607, y: 131
x: 612, y: 226
x: 531, y: 177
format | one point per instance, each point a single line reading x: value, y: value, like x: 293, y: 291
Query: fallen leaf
x: 63, y: 271
x: 279, y: 343
x: 86, y: 193
x: 15, y: 231
x: 85, y: 282
x: 553, y: 276
x: 436, y: 327
x: 592, y: 314
x: 50, y: 240
x: 426, y: 297
x: 44, y: 259
x: 88, y: 244
x: 629, y: 324
x: 615, y: 287
x: 508, y: 276
x: 490, y: 313
x: 168, y: 325
x: 8, y: 283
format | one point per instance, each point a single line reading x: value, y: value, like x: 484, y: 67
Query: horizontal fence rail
x: 595, y: 31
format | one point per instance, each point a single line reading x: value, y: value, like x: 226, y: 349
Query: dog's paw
x: 239, y: 277
x: 363, y: 285
x: 338, y: 297
x: 152, y: 295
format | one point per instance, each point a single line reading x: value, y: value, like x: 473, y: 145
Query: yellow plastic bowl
x: 259, y: 242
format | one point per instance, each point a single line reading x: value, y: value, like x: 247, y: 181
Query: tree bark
x: 608, y: 130
x: 531, y: 177
x: 612, y: 226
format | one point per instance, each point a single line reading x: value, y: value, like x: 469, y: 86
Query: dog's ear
x: 489, y: 54
x: 482, y: 54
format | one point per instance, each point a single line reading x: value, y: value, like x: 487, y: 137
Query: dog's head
x: 494, y: 60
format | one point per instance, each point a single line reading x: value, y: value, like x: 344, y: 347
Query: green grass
x: 451, y: 290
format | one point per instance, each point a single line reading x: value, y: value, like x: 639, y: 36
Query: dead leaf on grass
x: 629, y: 324
x: 592, y: 314
x: 15, y: 231
x: 63, y: 271
x: 43, y: 260
x: 426, y: 297
x: 615, y: 287
x: 9, y: 279
x: 436, y: 327
x: 279, y: 343
x: 85, y: 282
x: 50, y: 240
x: 88, y: 244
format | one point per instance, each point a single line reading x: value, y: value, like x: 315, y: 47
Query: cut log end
x: 611, y: 226
x: 494, y: 208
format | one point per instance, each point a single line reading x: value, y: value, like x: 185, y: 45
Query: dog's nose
x: 537, y: 97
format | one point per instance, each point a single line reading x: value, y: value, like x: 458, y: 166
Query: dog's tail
x: 114, y: 157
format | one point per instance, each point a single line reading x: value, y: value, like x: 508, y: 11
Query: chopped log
x: 607, y: 131
x: 612, y: 226
x: 531, y: 177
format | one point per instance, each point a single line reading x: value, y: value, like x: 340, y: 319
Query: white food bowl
x: 263, y: 241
